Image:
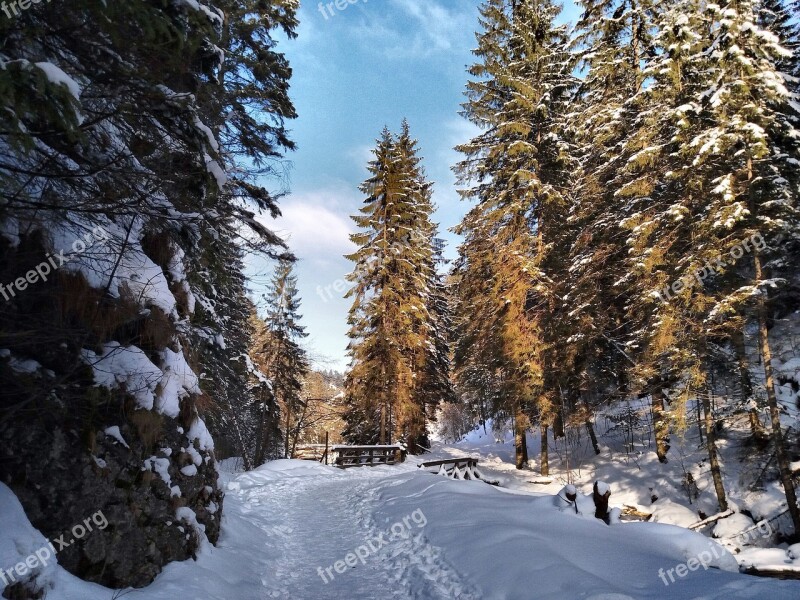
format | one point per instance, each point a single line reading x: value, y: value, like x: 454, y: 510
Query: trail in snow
x: 316, y: 521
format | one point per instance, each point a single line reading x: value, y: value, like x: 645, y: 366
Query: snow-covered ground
x: 303, y: 531
x: 638, y: 481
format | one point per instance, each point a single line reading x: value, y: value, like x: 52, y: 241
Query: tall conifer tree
x: 393, y: 325
x: 520, y: 169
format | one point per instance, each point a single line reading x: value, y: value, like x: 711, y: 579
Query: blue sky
x: 357, y: 69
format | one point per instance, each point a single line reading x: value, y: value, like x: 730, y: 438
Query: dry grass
x: 149, y: 425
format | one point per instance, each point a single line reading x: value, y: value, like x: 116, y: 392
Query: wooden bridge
x: 310, y: 452
x: 361, y: 456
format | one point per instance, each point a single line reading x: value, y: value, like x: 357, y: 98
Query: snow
x: 19, y: 540
x: 160, y: 466
x: 114, y: 432
x: 58, y: 77
x: 216, y: 170
x: 178, y: 381
x: 289, y: 517
x: 186, y: 514
x: 793, y: 552
x: 128, y: 367
x: 27, y: 366
x: 434, y: 538
x: 731, y: 526
x: 132, y: 274
x: 667, y: 511
x: 769, y: 559
x: 214, y: 15
x: 199, y: 432
x: 197, y: 460
x: 205, y: 130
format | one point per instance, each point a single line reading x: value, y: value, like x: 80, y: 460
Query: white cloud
x: 316, y: 224
x: 361, y: 155
x: 436, y: 28
x: 440, y: 25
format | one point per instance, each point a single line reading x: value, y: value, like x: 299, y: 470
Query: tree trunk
x: 558, y: 426
x: 286, y: 436
x: 520, y: 440
x: 700, y: 424
x: 660, y: 424
x: 592, y: 436
x: 545, y: 454
x: 298, y: 427
x: 601, y: 503
x: 766, y: 357
x: 245, y: 458
x: 262, y: 438
x: 589, y: 424
x: 382, y: 440
x: 711, y: 445
x: 259, y: 453
x: 772, y: 402
x: 756, y: 428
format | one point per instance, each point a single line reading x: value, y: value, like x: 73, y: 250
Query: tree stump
x: 600, y: 495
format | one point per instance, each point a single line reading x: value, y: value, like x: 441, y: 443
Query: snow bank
x: 672, y: 513
x: 558, y: 554
x: 129, y: 367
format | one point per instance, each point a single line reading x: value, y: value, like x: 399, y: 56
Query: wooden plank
x: 711, y: 519
x: 451, y: 461
x: 339, y: 448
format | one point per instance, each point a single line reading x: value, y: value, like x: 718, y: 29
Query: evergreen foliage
x: 399, y: 371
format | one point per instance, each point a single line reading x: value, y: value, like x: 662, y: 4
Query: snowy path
x: 322, y: 519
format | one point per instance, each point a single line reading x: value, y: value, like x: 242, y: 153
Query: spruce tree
x: 614, y: 39
x: 520, y: 169
x: 393, y: 325
x: 142, y: 131
x: 720, y: 126
x: 285, y: 361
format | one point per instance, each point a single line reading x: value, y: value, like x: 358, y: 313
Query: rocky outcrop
x: 133, y: 480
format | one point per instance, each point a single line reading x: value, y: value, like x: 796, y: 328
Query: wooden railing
x: 360, y: 456
x: 456, y: 468
x: 310, y: 452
